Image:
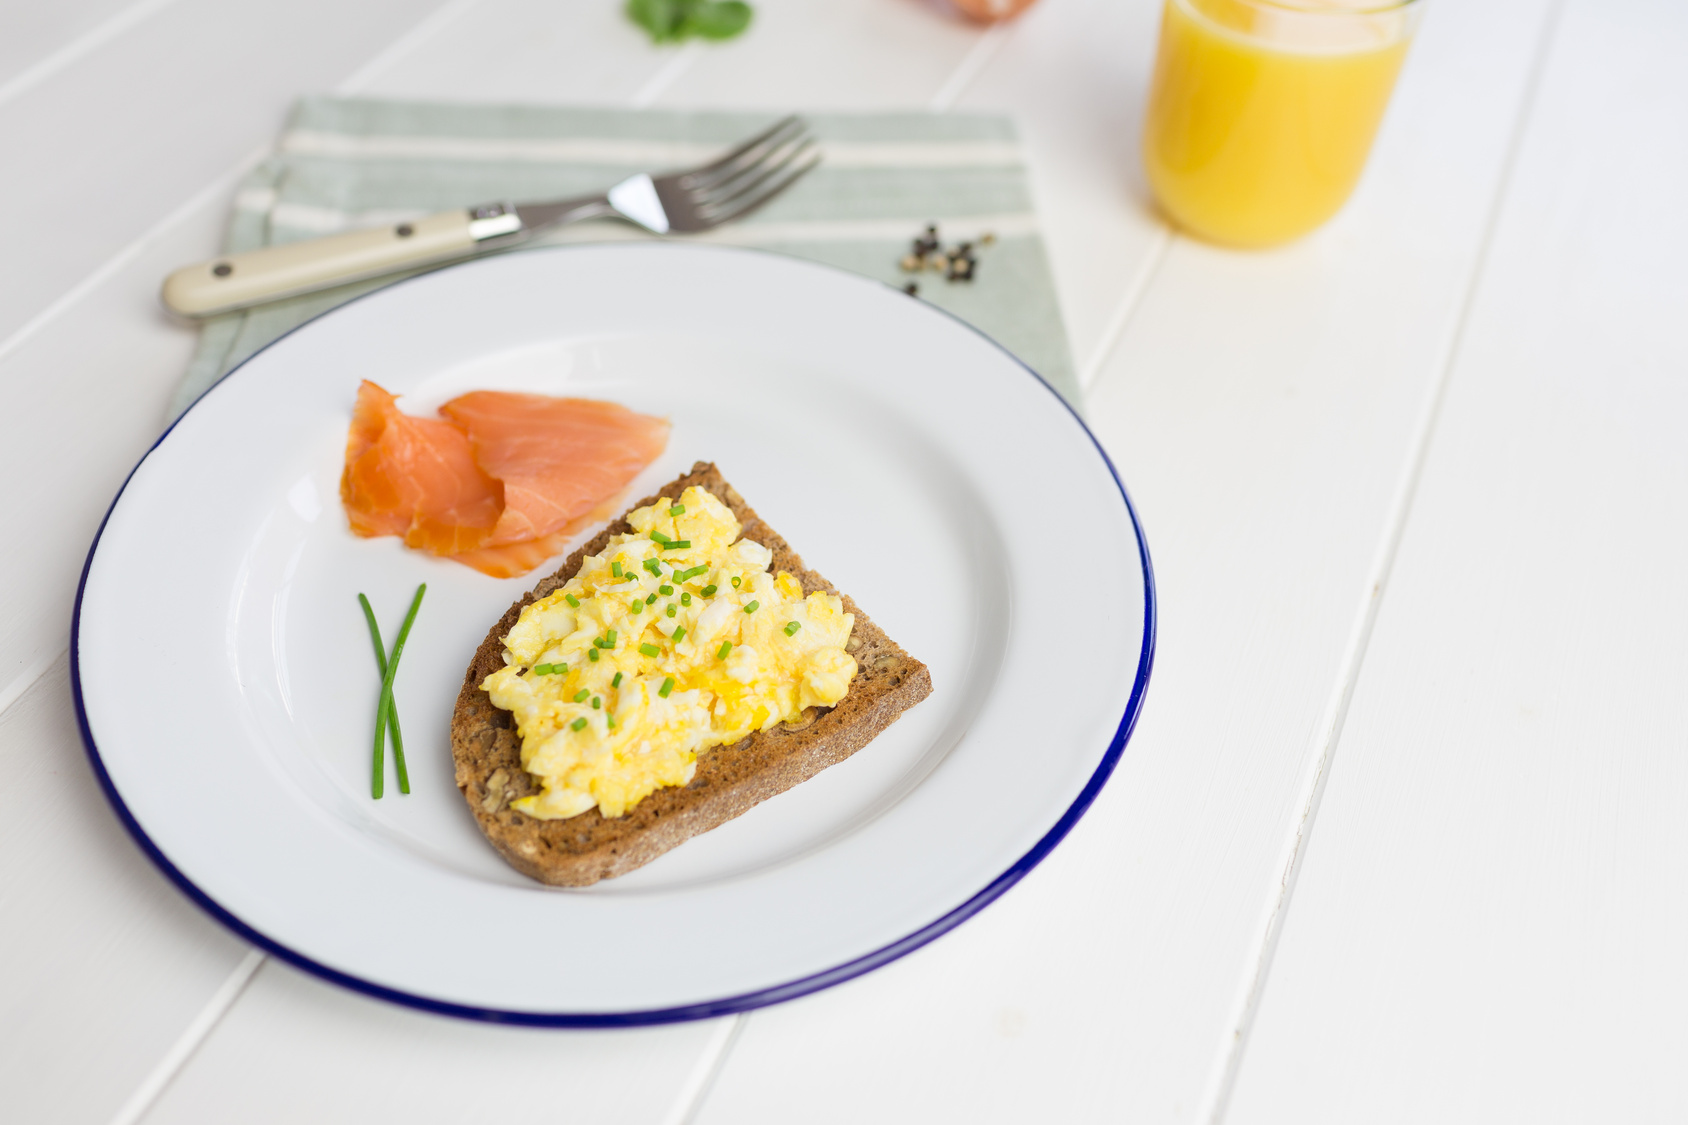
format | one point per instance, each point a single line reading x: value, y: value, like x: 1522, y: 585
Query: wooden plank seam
x: 710, y: 1062
x: 361, y: 78
x: 82, y: 46
x: 188, y: 1042
x: 1128, y: 302
x: 1329, y: 730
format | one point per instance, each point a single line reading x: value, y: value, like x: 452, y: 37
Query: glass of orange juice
x: 1262, y: 112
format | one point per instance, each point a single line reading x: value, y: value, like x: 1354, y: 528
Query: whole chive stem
x: 379, y: 780
x: 385, y: 703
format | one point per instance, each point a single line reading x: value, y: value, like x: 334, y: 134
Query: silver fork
x: 683, y: 202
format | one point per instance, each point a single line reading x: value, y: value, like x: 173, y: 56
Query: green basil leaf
x: 716, y: 19
x: 661, y: 18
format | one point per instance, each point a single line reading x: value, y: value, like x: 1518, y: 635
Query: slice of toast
x: 582, y: 849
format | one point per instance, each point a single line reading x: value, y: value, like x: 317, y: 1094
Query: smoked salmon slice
x: 502, y: 484
x: 415, y: 478
x: 558, y: 458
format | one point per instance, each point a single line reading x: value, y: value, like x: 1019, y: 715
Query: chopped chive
x: 578, y: 724
x: 596, y: 703
x: 667, y: 686
x: 572, y: 600
x: 709, y: 590
x: 615, y: 568
x: 736, y: 581
x: 791, y: 628
x: 688, y: 575
x: 617, y: 681
x: 671, y: 610
x: 679, y: 635
x: 592, y: 655
x: 393, y: 711
x: 650, y: 650
x: 580, y: 696
x: 752, y: 607
x: 559, y: 669
x: 665, y: 590
x: 651, y: 565
x: 542, y: 669
x: 685, y: 599
x: 651, y: 600
x: 659, y: 537
x: 637, y: 606
x: 726, y: 647
x: 384, y: 704
x: 677, y: 545
x: 677, y: 510
x: 610, y: 719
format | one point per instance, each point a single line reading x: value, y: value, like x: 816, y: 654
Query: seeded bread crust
x: 583, y: 849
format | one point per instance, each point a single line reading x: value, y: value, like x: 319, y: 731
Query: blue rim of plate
x: 708, y: 1009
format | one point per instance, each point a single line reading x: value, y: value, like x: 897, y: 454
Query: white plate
x: 226, y: 685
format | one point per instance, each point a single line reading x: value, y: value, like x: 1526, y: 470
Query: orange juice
x: 1262, y: 113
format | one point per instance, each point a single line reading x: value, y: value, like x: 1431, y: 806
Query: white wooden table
x: 1402, y: 834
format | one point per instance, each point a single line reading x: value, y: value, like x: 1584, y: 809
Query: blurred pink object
x: 991, y: 11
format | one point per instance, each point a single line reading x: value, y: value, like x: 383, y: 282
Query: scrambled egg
x: 674, y: 640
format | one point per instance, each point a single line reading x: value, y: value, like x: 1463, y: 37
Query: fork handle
x: 236, y: 281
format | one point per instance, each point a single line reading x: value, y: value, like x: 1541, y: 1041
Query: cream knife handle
x: 238, y: 280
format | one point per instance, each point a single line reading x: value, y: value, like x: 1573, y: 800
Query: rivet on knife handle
x: 238, y: 280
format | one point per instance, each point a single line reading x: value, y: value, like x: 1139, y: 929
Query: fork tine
x: 748, y: 183
x: 747, y: 205
x: 719, y: 180
x: 727, y: 186
x: 692, y: 177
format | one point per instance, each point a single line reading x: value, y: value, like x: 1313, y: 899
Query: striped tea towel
x: 348, y: 162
